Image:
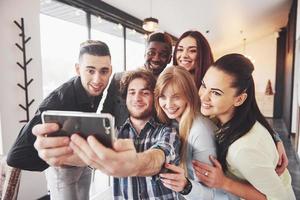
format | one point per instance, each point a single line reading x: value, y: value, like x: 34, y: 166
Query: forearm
x: 150, y: 162
x: 243, y: 190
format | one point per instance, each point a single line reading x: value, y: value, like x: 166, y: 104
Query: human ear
x: 240, y: 99
x: 77, y: 68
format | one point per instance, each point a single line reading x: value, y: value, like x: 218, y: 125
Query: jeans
x: 69, y: 183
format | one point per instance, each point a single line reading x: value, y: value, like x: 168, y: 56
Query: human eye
x: 216, y: 93
x: 164, y: 55
x: 90, y: 71
x: 180, y: 49
x: 131, y: 92
x: 193, y: 50
x: 146, y: 92
x: 104, y: 71
x: 162, y: 97
x: 151, y: 53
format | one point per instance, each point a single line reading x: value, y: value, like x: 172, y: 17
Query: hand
x: 175, y: 181
x: 121, y: 161
x: 211, y: 176
x: 53, y: 150
x: 283, y: 160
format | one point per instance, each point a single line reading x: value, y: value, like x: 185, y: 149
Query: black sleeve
x: 22, y: 154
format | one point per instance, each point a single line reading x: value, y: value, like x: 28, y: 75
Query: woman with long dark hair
x: 246, y: 147
x: 192, y: 51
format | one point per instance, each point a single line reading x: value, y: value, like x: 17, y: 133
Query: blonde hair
x: 183, y: 80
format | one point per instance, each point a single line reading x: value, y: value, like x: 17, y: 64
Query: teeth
x: 171, y: 111
x: 185, y: 62
x: 206, y: 105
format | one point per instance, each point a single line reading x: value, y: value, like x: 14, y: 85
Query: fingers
x: 123, y: 145
x: 45, y: 129
x: 215, y: 162
x: 104, y: 153
x: 174, y: 168
x: 82, y: 149
x: 172, y: 185
x: 51, y: 142
x: 201, y: 166
x: 55, y: 157
x: 175, y: 182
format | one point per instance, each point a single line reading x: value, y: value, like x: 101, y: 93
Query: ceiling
x: 221, y: 21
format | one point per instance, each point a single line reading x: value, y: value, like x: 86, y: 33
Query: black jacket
x: 71, y: 96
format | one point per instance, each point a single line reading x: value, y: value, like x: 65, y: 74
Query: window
x: 112, y: 35
x: 135, y: 49
x: 63, y: 28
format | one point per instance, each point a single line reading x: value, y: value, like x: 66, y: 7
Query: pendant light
x: 150, y: 24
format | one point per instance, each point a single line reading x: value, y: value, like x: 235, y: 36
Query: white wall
x: 263, y: 52
x: 32, y: 185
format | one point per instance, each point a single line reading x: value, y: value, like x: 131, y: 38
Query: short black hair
x: 94, y: 47
x: 160, y: 37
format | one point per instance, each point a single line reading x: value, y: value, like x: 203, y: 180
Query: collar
x: 152, y: 122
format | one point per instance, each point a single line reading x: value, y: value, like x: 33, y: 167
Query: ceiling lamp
x: 150, y: 24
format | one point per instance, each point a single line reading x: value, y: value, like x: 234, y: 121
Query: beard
x: 141, y: 115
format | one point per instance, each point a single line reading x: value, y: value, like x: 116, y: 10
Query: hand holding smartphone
x: 101, y: 125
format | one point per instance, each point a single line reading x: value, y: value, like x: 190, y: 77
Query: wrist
x: 226, y: 184
x: 187, y: 188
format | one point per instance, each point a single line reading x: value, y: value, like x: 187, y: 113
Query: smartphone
x: 101, y: 125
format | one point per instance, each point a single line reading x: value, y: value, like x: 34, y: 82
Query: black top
x: 71, y: 96
x: 114, y: 103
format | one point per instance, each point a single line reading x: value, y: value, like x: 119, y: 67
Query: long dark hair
x: 204, y: 55
x: 240, y: 68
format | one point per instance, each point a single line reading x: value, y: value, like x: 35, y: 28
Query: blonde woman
x: 177, y: 102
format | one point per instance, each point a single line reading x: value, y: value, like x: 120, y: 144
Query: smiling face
x: 218, y: 97
x: 186, y: 53
x: 172, y: 102
x: 139, y: 99
x: 157, y: 56
x: 94, y: 72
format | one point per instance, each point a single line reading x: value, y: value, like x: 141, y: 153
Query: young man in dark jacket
x: 81, y: 93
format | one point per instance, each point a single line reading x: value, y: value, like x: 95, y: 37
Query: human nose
x: 97, y: 78
x: 204, y: 95
x: 185, y: 53
x: 169, y: 102
x: 137, y: 96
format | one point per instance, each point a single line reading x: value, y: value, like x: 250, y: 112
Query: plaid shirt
x: 153, y: 136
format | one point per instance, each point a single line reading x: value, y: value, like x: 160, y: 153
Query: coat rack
x: 23, y: 66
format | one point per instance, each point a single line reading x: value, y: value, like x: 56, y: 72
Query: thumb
x: 215, y: 162
x: 123, y: 145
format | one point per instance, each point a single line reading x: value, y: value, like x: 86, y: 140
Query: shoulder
x: 57, y: 97
x: 253, y: 138
x: 256, y: 143
x: 202, y: 132
x: 202, y: 125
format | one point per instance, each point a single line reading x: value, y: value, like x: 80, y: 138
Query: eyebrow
x: 146, y: 88
x: 188, y: 46
x: 214, y: 89
x: 92, y: 67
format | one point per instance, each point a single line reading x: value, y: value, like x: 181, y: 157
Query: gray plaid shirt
x: 153, y: 135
